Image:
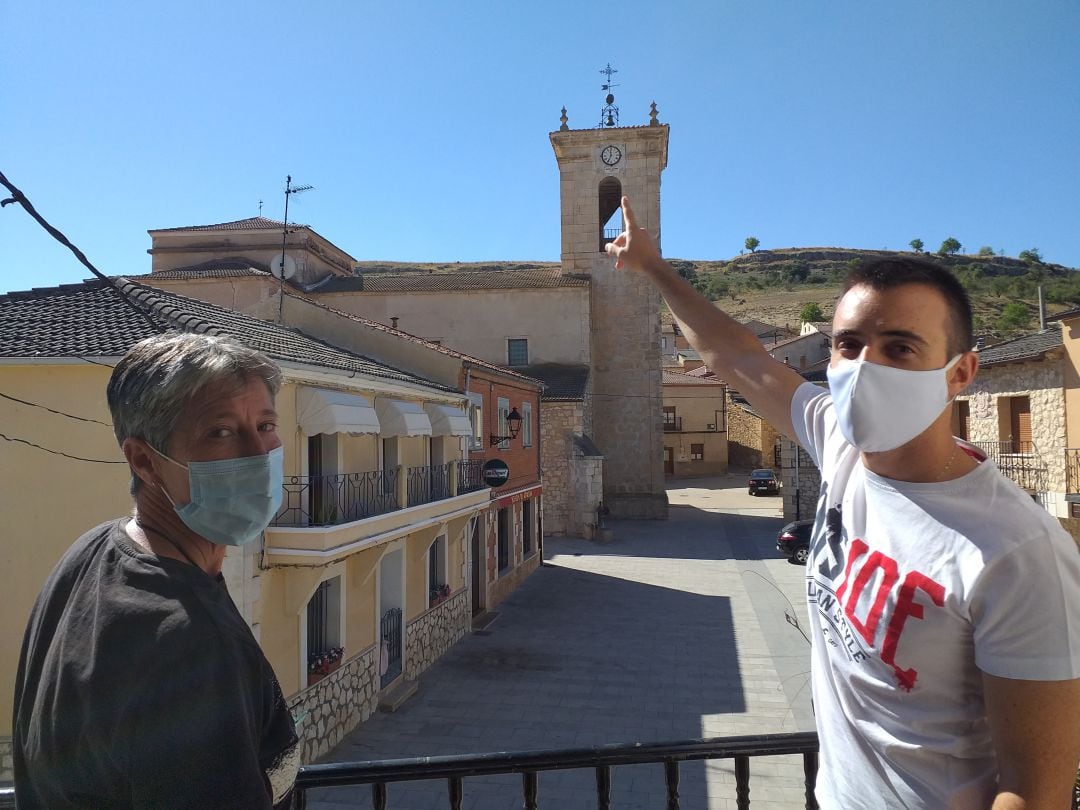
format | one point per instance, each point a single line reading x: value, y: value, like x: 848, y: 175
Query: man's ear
x: 141, y: 460
x: 963, y: 372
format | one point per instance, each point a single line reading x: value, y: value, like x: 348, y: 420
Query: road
x: 674, y: 630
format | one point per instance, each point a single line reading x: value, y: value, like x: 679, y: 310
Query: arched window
x: 610, y: 195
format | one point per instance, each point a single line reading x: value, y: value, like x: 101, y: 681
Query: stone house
x: 1014, y: 411
x: 752, y: 442
x: 695, y: 426
x: 368, y: 559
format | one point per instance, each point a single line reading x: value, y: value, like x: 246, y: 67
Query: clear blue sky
x: 423, y: 125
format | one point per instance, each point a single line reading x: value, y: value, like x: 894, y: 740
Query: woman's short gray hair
x: 157, y: 379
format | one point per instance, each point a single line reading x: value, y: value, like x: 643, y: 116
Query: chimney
x: 1042, y: 310
x: 393, y: 322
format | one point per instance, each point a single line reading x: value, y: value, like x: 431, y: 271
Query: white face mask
x: 879, y: 408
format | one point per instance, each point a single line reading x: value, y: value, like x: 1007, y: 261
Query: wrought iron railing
x: 1072, y: 471
x: 470, y: 476
x: 390, y: 644
x: 427, y: 484
x: 602, y: 759
x: 330, y: 500
x: 672, y: 424
x: 1019, y: 461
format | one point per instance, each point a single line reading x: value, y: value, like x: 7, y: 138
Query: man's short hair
x: 886, y: 274
x: 159, y: 377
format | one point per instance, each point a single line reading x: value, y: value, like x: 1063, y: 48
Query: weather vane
x: 609, y: 116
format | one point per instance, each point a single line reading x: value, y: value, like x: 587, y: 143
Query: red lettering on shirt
x: 859, y: 571
x: 907, y: 606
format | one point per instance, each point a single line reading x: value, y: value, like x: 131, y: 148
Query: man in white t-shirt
x: 944, y: 604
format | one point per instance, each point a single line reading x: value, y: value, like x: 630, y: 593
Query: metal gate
x: 390, y: 633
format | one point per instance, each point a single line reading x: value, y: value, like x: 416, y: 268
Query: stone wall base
x: 334, y: 706
x: 7, y: 761
x: 436, y: 631
x: 637, y: 506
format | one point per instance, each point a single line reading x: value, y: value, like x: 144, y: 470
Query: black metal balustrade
x: 390, y: 644
x: 470, y: 476
x: 672, y: 424
x: 1072, y: 471
x: 330, y: 500
x: 1019, y: 461
x: 427, y: 484
x: 455, y: 769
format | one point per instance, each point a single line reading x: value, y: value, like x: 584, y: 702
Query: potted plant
x: 323, y: 663
x: 438, y: 595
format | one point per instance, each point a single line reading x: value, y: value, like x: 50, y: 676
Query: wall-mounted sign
x: 495, y: 472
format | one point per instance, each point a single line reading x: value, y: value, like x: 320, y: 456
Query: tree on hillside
x: 1031, y: 256
x: 752, y: 243
x: 811, y: 313
x: 1014, y: 316
x: 986, y: 251
x: 949, y: 247
x: 916, y: 245
x: 717, y: 287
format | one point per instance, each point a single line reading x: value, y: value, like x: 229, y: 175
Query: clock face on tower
x: 611, y: 155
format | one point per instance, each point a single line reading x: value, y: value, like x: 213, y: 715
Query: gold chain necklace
x: 949, y: 462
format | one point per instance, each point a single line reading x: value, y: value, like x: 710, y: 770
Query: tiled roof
x: 700, y: 371
x: 92, y: 319
x: 467, y: 280
x: 562, y: 383
x: 677, y: 378
x: 249, y: 224
x: 1026, y: 347
x: 1069, y: 313
x: 215, y: 268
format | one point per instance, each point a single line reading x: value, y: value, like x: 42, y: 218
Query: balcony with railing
x: 470, y: 476
x: 330, y: 500
x: 428, y: 484
x: 672, y: 424
x: 1020, y: 461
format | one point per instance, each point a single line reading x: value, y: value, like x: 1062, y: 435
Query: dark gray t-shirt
x: 141, y: 685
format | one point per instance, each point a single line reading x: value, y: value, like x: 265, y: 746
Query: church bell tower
x: 597, y: 166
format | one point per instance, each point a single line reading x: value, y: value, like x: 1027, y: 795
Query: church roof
x: 562, y: 382
x: 452, y: 282
x: 215, y: 268
x: 249, y: 224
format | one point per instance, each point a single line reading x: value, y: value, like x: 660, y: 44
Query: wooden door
x: 669, y: 461
x: 1020, y: 408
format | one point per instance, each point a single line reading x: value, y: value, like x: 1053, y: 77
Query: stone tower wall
x: 627, y: 420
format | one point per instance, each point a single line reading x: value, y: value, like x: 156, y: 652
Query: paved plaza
x: 675, y: 630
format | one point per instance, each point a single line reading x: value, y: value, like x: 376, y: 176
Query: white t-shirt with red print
x: 914, y: 591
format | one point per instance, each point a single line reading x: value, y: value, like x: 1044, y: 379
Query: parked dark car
x: 794, y: 540
x: 763, y: 481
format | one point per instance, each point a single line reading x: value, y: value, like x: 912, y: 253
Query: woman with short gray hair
x: 139, y: 683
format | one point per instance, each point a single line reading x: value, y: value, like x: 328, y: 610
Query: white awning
x: 447, y: 420
x: 320, y: 410
x: 397, y: 418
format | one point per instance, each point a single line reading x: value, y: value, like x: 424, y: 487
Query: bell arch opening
x: 610, y: 196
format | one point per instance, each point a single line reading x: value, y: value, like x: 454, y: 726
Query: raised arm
x: 731, y: 350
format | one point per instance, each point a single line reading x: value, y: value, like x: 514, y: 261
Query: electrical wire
x: 20, y: 198
x: 58, y: 452
x: 50, y: 410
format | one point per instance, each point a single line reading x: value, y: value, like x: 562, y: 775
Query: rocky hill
x: 774, y: 285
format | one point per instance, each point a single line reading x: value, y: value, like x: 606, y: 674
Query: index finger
x: 627, y: 215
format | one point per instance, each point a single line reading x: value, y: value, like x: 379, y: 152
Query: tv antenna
x: 282, y: 271
x: 609, y: 116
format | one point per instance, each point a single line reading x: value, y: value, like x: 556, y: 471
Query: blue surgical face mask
x: 232, y: 500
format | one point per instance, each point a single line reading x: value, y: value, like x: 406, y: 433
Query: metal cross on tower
x: 609, y: 116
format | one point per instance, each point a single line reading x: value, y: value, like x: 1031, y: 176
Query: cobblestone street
x: 674, y: 630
